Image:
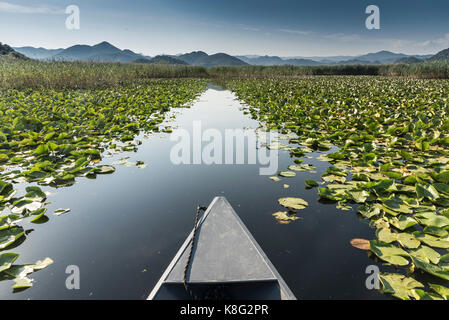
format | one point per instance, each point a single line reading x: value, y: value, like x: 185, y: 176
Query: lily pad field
x: 383, y: 145
x: 392, y: 163
x: 51, y: 138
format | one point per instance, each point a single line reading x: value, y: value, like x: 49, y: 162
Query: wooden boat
x: 226, y: 263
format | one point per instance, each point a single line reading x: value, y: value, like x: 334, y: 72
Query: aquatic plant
x: 392, y: 162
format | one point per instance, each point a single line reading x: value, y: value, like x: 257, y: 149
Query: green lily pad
x: 438, y: 271
x: 426, y: 254
x: 431, y: 240
x: 431, y: 219
x: 389, y: 253
x: 59, y: 212
x: 428, y: 192
x: 437, y: 232
x: 5, y: 188
x: 287, y: 174
x: 9, y: 235
x: 443, y: 177
x: 22, y: 283
x: 6, y: 260
x: 293, y: 203
x: 399, y: 286
x: 104, y: 169
x: 35, y: 193
x: 24, y: 206
x: 333, y: 178
x: 38, y: 214
x: 285, y: 217
x: 440, y: 290
x: 359, y: 196
x: 311, y: 183
x: 402, y: 222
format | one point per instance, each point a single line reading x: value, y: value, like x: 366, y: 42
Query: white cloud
x: 342, y: 36
x: 15, y: 8
x: 420, y: 47
x: 300, y: 32
x: 251, y: 29
x: 334, y: 36
x: 444, y: 41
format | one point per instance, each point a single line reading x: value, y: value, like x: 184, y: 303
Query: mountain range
x: 380, y: 57
x: 106, y: 52
x: 201, y: 58
x: 162, y: 59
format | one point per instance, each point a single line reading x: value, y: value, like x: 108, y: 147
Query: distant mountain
x: 103, y: 51
x: 200, y: 58
x: 162, y: 59
x: 106, y: 52
x: 262, y: 60
x: 382, y: 57
x: 6, y: 52
x: 355, y: 61
x: 409, y: 60
x: 142, y: 60
x: 38, y: 53
x: 442, y: 55
x: 194, y: 58
x: 326, y: 60
x: 277, y: 61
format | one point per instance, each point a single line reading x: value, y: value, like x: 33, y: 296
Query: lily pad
x: 440, y: 290
x: 285, y: 217
x: 9, y: 235
x: 104, y: 169
x: 399, y: 286
x: 7, y: 259
x: 293, y: 203
x: 287, y: 174
x: 389, y: 253
x: 361, y: 244
x: 59, y: 212
x: 311, y: 183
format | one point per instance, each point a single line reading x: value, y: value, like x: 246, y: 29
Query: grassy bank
x: 18, y: 74
x: 436, y: 69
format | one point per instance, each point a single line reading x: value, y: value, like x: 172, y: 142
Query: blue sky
x: 285, y: 28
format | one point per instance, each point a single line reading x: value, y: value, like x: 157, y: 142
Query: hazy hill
x: 103, y: 51
x: 38, y: 53
x: 382, y: 57
x: 277, y: 61
x: 409, y: 60
x: 9, y: 53
x: 195, y: 57
x: 355, y: 61
x: 162, y: 59
x: 442, y: 55
x: 200, y: 58
x: 302, y: 62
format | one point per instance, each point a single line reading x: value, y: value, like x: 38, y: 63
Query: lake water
x: 124, y: 228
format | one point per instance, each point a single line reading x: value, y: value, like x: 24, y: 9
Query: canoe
x: 226, y: 263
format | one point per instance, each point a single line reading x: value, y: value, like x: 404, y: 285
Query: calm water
x: 124, y: 228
